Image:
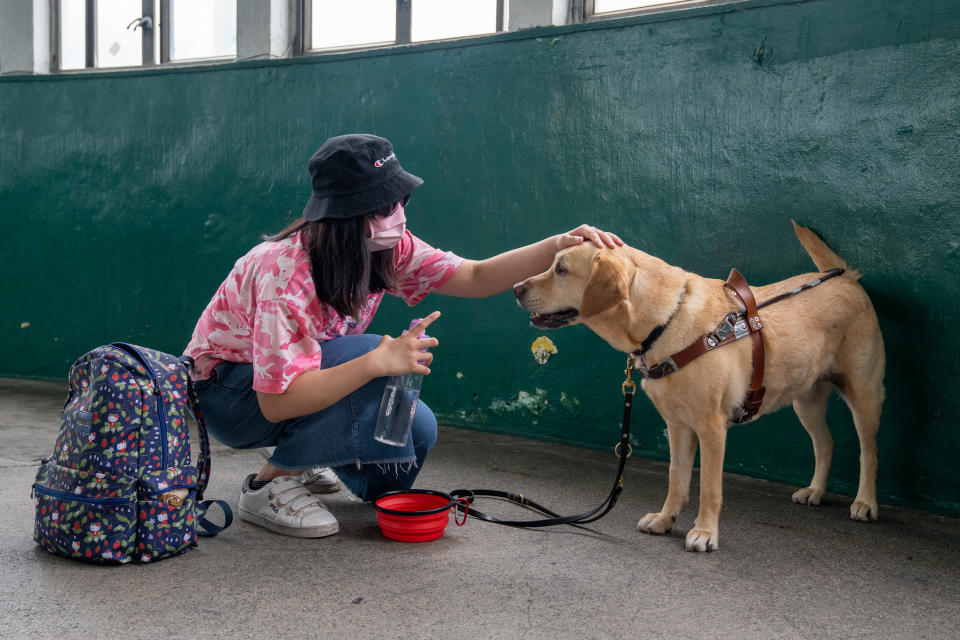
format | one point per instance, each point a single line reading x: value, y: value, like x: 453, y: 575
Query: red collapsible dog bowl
x: 416, y: 515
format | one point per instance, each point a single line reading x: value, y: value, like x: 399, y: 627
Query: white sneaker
x: 284, y: 505
x: 320, y: 480
x: 316, y: 479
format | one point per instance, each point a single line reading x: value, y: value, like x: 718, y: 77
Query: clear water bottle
x: 399, y: 403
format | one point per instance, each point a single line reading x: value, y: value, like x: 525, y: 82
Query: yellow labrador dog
x: 823, y: 338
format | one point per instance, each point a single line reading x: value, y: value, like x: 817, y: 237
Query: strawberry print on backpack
x: 119, y: 486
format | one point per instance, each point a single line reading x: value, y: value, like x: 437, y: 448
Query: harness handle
x: 738, y: 285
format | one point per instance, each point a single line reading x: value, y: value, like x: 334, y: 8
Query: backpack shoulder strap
x: 203, y: 460
x: 204, y: 526
x: 207, y: 528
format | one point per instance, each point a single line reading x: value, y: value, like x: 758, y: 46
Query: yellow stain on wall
x: 542, y: 349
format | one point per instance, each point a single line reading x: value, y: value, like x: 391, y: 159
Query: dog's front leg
x: 705, y: 533
x: 683, y: 448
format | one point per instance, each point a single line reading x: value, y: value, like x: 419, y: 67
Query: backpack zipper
x: 171, y: 488
x: 63, y: 495
x: 133, y: 352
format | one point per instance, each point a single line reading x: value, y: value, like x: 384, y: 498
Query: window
x: 131, y: 33
x: 206, y: 29
x: 610, y: 6
x: 116, y: 45
x: 73, y: 28
x: 441, y: 19
x: 336, y: 24
x: 102, y: 34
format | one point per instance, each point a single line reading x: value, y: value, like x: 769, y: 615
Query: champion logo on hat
x: 383, y: 161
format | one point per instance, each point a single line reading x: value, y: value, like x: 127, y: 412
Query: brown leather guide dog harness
x: 733, y: 327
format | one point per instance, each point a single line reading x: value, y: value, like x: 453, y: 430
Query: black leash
x: 623, y: 451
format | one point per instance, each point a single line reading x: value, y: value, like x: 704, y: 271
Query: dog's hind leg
x: 812, y: 411
x: 683, y: 449
x: 864, y: 401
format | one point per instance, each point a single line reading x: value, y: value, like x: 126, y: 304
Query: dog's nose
x: 519, y: 289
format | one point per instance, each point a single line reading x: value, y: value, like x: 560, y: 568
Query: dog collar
x: 658, y: 330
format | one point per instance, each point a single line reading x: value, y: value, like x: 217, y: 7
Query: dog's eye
x: 560, y: 269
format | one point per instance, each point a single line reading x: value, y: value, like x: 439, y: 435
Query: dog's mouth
x: 553, y: 320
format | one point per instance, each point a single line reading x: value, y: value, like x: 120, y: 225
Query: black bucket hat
x: 354, y: 174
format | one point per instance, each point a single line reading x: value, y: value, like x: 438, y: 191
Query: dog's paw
x: 809, y: 496
x: 655, y: 523
x: 863, y: 511
x: 702, y: 540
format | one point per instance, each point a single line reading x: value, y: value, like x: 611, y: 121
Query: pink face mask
x: 385, y: 233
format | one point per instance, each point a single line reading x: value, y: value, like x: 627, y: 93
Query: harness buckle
x: 740, y: 329
x: 735, y: 325
x: 721, y: 333
x: 669, y: 365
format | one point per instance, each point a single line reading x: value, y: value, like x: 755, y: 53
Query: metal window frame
x: 303, y: 37
x: 577, y: 11
x: 90, y: 36
x: 404, y: 22
x: 164, y: 26
x: 55, y: 53
x: 148, y: 37
x: 301, y: 33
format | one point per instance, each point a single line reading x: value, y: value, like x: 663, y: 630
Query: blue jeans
x: 340, y: 436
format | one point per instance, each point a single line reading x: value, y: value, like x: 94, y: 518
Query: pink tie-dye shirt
x: 266, y: 312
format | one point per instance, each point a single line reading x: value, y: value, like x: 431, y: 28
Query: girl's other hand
x: 398, y: 356
x: 600, y: 238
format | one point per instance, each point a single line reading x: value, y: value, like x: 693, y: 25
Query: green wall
x: 126, y: 197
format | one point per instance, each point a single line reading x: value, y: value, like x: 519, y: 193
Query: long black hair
x: 344, y: 271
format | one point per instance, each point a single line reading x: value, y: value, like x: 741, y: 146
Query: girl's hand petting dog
x: 584, y: 232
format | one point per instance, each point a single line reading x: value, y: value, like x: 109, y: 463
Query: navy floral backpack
x: 119, y: 486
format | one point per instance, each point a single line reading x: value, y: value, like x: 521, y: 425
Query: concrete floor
x: 783, y: 570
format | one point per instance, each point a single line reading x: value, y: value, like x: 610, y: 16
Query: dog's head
x: 619, y: 293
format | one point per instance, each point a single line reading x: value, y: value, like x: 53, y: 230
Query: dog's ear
x: 609, y: 284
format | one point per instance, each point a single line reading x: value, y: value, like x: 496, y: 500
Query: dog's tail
x: 822, y: 255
